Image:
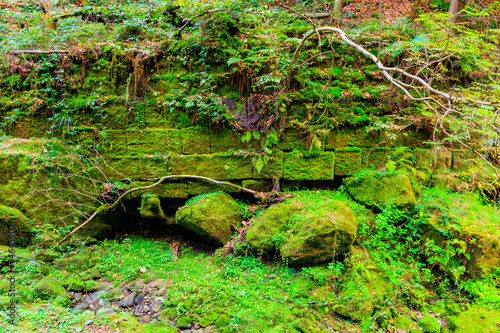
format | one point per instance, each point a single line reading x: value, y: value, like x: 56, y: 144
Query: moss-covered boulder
x: 429, y: 324
x: 48, y: 288
x: 270, y: 227
x: 210, y: 215
x: 364, y: 287
x: 308, y: 229
x: 151, y: 207
x: 477, y: 319
x: 184, y: 322
x: 379, y: 189
x: 320, y: 234
x: 13, y: 227
x: 463, y: 225
x: 404, y: 325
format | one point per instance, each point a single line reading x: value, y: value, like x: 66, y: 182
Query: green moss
x: 238, y: 167
x: 477, y: 319
x: 347, y: 162
x: 321, y: 234
x: 378, y: 189
x: 463, y: 216
x: 12, y: 220
x: 166, y: 190
x: 430, y: 162
x: 222, y: 321
x: 272, y: 169
x: 161, y: 141
x: 197, y: 188
x: 364, y: 287
x: 211, y: 216
x: 374, y: 159
x: 226, y: 140
x: 268, y: 229
x: 429, y: 324
x: 404, y: 323
x: 151, y: 207
x: 195, y: 140
x: 184, y: 322
x: 76, y: 284
x: 353, y: 137
x: 48, y: 288
x: 312, y: 168
x: 258, y: 185
x: 211, y: 166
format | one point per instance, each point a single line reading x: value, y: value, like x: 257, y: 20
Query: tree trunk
x: 49, y: 7
x: 455, y: 7
x: 337, y: 8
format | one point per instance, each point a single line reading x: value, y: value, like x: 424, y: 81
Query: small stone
x: 104, y: 310
x: 78, y: 297
x: 127, y: 301
x: 139, y: 299
x: 82, y: 307
x: 157, y: 307
x: 196, y: 326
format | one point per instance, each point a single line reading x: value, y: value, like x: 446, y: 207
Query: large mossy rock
x: 48, y: 288
x: 211, y: 216
x: 463, y: 220
x: 377, y: 190
x: 13, y: 227
x: 319, y: 235
x: 476, y: 320
x: 364, y: 287
x: 269, y: 227
x: 305, y: 232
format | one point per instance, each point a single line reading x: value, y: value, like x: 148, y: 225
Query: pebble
x: 127, y: 301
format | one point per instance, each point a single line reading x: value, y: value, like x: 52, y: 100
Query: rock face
x: 211, y: 216
x: 378, y: 189
x: 305, y: 235
x: 151, y: 207
x: 13, y: 217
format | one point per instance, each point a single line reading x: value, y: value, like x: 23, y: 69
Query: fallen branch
x: 259, y: 195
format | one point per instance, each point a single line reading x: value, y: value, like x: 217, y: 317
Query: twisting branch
x: 385, y: 70
x: 178, y: 33
x: 158, y: 181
